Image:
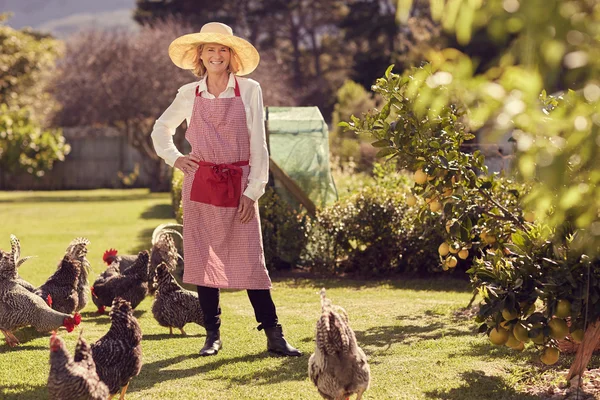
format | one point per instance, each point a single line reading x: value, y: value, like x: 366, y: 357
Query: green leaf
x: 518, y: 239
x: 385, y: 152
x: 381, y: 143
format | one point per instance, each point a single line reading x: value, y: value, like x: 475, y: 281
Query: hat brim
x: 183, y: 50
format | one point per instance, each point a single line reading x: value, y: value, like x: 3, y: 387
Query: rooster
x: 163, y: 250
x: 338, y: 367
x: 131, y: 285
x: 74, y: 378
x: 173, y: 305
x: 19, y: 307
x: 60, y: 290
x: 118, y: 354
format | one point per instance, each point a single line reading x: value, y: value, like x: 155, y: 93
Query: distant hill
x: 63, y: 17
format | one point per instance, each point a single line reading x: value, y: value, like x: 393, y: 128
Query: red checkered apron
x: 219, y: 250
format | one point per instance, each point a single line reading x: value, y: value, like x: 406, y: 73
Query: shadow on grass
x: 158, y: 211
x: 23, y: 392
x: 477, y: 385
x: 292, y: 280
x: 290, y: 369
x: 75, y: 198
x: 27, y: 334
x: 432, y: 327
x: 165, y: 336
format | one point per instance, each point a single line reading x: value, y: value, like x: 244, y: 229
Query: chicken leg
x: 11, y: 339
x: 122, y: 397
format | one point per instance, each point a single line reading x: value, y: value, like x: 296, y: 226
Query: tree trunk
x: 162, y: 183
x: 584, y: 353
x: 316, y: 53
x: 295, y: 39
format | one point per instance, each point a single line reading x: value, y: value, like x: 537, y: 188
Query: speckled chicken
x: 19, y: 307
x: 73, y: 378
x: 60, y: 290
x: 16, y: 277
x: 78, y: 250
x: 118, y: 354
x: 131, y: 285
x: 174, y: 306
x: 338, y: 367
x: 163, y: 250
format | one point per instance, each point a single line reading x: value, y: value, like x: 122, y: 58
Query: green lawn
x: 417, y: 348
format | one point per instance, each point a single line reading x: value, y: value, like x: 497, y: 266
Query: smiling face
x: 215, y: 57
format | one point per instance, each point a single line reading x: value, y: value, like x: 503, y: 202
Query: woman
x: 225, y: 174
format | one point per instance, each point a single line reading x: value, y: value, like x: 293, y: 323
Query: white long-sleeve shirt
x: 181, y: 108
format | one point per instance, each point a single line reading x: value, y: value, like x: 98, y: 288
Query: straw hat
x: 183, y: 49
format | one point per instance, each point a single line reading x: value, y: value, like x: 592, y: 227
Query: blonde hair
x: 200, y: 70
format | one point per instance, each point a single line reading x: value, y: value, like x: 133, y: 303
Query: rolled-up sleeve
x: 166, y: 125
x: 259, y: 155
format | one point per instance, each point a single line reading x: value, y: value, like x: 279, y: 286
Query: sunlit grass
x: 417, y: 348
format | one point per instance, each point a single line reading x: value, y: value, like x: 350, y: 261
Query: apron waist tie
x: 224, y: 172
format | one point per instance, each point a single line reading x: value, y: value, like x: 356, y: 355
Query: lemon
x: 420, y: 177
x: 451, y: 261
x: 463, y: 254
x: 539, y: 339
x: 520, y: 332
x: 577, y: 335
x: 558, y: 328
x: 411, y: 200
x: 443, y: 249
x: 529, y: 216
x: 519, y: 347
x: 512, y: 342
x: 550, y: 355
x: 563, y: 309
x: 509, y: 315
x: 498, y: 337
x: 435, y: 206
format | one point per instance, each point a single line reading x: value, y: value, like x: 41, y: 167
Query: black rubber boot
x: 277, y: 344
x: 212, y: 345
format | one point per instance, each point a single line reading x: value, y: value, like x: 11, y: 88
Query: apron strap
x: 237, y: 87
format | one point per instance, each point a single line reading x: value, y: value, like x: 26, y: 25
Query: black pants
x: 264, y: 308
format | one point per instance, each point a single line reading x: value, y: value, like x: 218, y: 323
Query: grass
x: 417, y: 348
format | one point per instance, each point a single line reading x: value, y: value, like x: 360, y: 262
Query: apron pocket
x: 218, y: 185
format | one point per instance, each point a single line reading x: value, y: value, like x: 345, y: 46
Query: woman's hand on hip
x: 187, y: 164
x: 246, y: 209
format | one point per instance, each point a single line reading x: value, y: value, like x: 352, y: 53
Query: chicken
x: 111, y: 256
x: 60, y: 290
x: 163, y: 250
x: 131, y: 285
x: 338, y: 367
x: 118, y: 354
x: 173, y: 305
x: 16, y: 277
x: 77, y: 249
x: 110, y: 271
x: 74, y: 378
x: 19, y: 307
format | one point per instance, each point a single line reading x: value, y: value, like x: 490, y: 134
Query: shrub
x: 372, y: 233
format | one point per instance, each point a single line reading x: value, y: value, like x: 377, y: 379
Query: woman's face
x: 215, y: 57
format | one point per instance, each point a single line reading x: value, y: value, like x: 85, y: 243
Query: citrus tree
x: 535, y: 238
